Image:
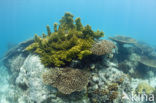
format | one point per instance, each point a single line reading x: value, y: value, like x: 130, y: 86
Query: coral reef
x: 70, y: 65
x: 103, y: 47
x: 107, y: 86
x: 145, y: 49
x: 125, y: 46
x: 66, y: 80
x: 70, y: 41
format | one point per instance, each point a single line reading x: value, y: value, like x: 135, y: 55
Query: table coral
x: 66, y: 80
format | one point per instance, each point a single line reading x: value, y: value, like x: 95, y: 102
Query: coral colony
x: 71, y: 63
x: 70, y: 40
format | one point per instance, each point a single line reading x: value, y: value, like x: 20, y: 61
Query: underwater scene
x: 78, y: 51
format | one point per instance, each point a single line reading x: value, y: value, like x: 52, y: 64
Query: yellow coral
x: 144, y: 87
x: 32, y: 46
x: 70, y: 41
x: 113, y: 87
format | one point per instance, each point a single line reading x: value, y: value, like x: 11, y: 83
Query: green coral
x: 79, y: 25
x: 144, y: 87
x: 48, y: 30
x: 55, y: 27
x: 70, y: 40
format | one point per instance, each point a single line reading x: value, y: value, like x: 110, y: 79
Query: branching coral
x: 66, y: 80
x: 71, y: 40
x: 103, y: 47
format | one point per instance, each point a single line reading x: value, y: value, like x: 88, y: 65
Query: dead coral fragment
x: 66, y: 80
x: 103, y: 47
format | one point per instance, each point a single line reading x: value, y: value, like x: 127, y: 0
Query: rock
x: 92, y: 66
x: 15, y: 57
x: 95, y: 87
x: 30, y: 78
x: 95, y: 78
x: 75, y: 63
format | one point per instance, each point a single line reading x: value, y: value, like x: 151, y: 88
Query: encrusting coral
x: 144, y: 87
x: 70, y: 40
x: 103, y: 47
x: 66, y: 80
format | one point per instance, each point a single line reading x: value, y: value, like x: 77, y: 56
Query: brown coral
x: 103, y: 47
x: 113, y: 87
x: 113, y: 95
x: 66, y: 80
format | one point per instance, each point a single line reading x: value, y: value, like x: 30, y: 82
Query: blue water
x: 20, y: 19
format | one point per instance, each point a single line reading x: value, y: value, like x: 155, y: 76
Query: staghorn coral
x: 67, y: 21
x: 66, y: 80
x: 144, y: 87
x: 48, y: 30
x: 79, y: 25
x: 103, y: 47
x: 70, y: 41
x: 55, y: 27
